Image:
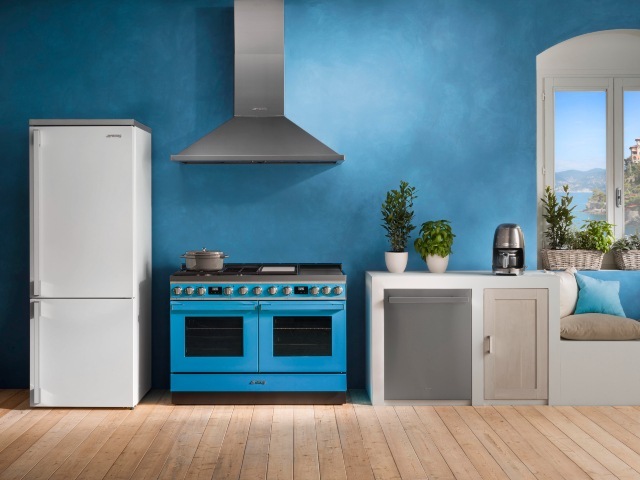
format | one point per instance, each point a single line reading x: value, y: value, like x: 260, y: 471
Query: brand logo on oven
x: 114, y: 135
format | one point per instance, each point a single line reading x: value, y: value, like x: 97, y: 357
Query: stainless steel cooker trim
x: 309, y: 282
x: 279, y: 279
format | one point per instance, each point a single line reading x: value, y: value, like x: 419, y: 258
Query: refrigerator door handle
x: 37, y: 207
x: 36, y: 352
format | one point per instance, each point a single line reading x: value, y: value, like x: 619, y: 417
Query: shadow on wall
x: 256, y: 183
x: 211, y: 76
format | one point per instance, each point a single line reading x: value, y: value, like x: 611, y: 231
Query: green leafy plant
x: 397, y: 215
x: 626, y: 243
x: 557, y: 213
x: 436, y: 238
x: 594, y: 235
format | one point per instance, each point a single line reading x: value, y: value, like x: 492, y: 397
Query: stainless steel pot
x: 204, y: 260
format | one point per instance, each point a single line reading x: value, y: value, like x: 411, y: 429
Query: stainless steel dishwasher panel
x: 427, y: 344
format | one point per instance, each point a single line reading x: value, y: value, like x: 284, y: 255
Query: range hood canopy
x: 258, y: 132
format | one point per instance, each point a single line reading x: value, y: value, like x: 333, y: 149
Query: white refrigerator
x: 90, y: 262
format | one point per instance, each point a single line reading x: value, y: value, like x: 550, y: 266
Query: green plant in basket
x: 626, y: 243
x: 436, y: 238
x: 557, y: 212
x: 397, y: 215
x: 595, y: 235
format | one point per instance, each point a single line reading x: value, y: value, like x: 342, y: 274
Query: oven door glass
x: 211, y: 336
x: 302, y: 336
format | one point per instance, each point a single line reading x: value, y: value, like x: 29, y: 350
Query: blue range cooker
x: 259, y: 333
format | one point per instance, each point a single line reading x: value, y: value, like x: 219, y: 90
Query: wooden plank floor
x: 351, y: 441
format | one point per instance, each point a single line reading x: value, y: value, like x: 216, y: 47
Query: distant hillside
x: 582, y: 181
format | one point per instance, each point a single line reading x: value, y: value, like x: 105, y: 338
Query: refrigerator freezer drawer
x: 84, y: 353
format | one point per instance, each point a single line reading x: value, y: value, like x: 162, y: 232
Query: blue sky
x: 580, y: 122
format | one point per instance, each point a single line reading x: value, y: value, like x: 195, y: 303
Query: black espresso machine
x: 508, y: 250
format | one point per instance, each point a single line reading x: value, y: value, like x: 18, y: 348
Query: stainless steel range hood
x: 258, y: 132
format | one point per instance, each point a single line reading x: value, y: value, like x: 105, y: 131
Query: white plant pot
x: 396, y: 261
x: 437, y: 264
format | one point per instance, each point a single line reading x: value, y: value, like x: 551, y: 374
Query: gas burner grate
x: 263, y: 269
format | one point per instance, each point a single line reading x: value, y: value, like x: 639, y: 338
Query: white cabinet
x: 517, y: 311
x: 516, y: 343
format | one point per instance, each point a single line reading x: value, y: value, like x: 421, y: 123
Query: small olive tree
x: 397, y: 215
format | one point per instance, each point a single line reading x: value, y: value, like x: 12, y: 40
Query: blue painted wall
x: 440, y: 93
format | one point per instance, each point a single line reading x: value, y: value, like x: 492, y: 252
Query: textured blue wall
x: 440, y: 93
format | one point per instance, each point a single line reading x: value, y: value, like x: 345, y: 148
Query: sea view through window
x: 581, y: 153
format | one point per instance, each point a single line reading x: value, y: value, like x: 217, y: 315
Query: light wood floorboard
x: 354, y: 441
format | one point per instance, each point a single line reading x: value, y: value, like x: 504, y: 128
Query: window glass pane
x: 631, y: 162
x: 581, y: 151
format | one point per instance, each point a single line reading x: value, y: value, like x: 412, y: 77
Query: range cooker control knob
x: 338, y: 290
x: 177, y: 290
x: 315, y: 290
x: 286, y: 290
x: 272, y: 290
x: 257, y: 290
x: 326, y: 290
x: 201, y: 291
x: 188, y: 290
x: 228, y: 291
x: 243, y: 290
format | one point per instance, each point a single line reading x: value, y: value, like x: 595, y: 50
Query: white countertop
x: 460, y: 279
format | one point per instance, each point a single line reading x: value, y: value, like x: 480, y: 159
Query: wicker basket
x: 579, y: 259
x: 627, y: 260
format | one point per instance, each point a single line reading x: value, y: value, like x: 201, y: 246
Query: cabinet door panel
x: 516, y: 322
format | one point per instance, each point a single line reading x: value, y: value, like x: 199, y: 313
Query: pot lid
x: 204, y: 253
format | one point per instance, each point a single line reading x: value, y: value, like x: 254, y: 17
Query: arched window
x: 589, y: 126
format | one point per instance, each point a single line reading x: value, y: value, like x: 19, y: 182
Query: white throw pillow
x: 568, y: 291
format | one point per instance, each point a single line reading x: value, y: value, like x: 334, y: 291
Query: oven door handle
x: 301, y: 307
x: 207, y: 306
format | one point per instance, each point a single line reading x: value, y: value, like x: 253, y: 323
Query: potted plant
x: 582, y: 249
x: 397, y: 215
x: 557, y: 213
x: 626, y: 252
x: 594, y: 235
x: 434, y: 244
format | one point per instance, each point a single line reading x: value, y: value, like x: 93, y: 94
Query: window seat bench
x: 598, y: 372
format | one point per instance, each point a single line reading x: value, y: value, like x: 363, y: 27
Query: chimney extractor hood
x: 258, y: 132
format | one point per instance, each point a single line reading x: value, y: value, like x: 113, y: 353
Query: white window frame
x: 603, y: 61
x: 620, y: 150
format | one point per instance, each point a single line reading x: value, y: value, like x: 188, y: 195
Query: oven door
x: 209, y: 336
x: 303, y: 336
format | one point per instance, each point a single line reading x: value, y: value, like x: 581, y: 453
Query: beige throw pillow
x: 568, y: 291
x: 598, y: 326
